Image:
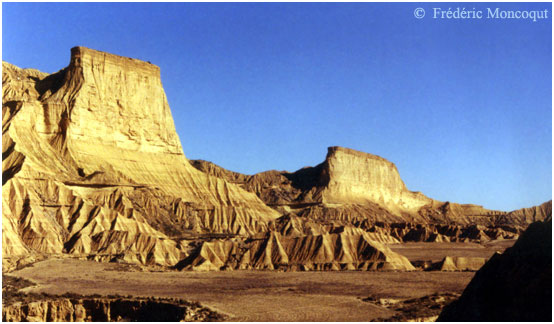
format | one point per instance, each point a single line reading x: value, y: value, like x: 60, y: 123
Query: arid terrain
x: 247, y: 295
x: 99, y: 202
x: 433, y: 251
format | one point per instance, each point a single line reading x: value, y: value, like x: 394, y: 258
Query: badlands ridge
x: 92, y: 167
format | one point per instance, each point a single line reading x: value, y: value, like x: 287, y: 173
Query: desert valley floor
x: 250, y: 295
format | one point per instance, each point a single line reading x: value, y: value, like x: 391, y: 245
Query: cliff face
x: 117, y: 114
x: 356, y: 177
x: 92, y: 165
x: 345, y: 177
x: 352, y: 187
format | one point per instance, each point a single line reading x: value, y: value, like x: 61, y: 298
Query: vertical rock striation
x: 356, y: 177
x: 92, y: 165
x: 352, y: 187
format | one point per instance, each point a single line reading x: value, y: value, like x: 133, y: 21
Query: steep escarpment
x: 357, y: 177
x: 360, y: 189
x: 92, y: 166
x: 513, y: 286
x: 527, y: 215
x: 345, y: 177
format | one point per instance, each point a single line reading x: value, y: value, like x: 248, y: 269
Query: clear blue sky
x: 462, y: 107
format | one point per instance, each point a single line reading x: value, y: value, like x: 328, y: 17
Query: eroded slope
x: 366, y: 191
x: 92, y: 166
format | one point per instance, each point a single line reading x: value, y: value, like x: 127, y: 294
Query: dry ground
x: 266, y: 295
x: 435, y: 252
x: 250, y: 295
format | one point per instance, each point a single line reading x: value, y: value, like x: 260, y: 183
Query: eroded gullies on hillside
x: 100, y: 156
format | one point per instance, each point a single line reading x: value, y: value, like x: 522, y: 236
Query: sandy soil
x: 437, y: 251
x: 250, y: 295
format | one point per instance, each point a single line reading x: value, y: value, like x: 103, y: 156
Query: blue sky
x: 462, y: 107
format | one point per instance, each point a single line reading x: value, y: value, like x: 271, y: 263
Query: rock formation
x: 422, y: 309
x: 366, y: 191
x: 461, y: 263
x: 106, y: 310
x: 20, y: 306
x: 92, y: 165
x: 342, y: 251
x: 513, y: 286
x: 356, y: 177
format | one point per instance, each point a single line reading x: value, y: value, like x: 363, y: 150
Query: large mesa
x: 354, y: 176
x: 92, y: 165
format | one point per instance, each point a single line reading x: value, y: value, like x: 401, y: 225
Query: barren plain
x: 436, y: 251
x: 250, y: 295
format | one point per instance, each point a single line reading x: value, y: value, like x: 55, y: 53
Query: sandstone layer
x: 364, y: 190
x: 422, y: 309
x: 92, y: 166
